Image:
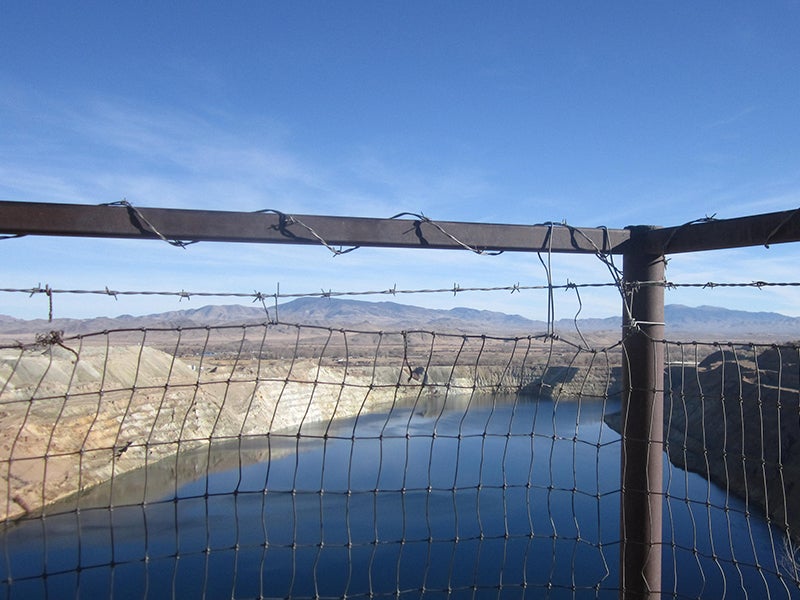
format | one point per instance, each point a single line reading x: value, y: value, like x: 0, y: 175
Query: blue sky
x: 591, y: 113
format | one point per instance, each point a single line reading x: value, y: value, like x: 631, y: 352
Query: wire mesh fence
x: 732, y: 418
x: 276, y: 460
x: 297, y: 461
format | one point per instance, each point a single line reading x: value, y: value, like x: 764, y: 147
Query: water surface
x: 479, y: 498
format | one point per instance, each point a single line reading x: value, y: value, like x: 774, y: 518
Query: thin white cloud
x: 163, y: 158
x: 732, y: 118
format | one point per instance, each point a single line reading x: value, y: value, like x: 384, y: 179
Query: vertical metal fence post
x: 642, y: 423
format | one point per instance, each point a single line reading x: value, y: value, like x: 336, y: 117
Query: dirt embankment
x: 68, y: 424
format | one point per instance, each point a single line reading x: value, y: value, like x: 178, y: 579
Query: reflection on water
x: 481, y: 497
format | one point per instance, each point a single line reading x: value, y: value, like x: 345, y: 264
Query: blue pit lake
x: 498, y: 497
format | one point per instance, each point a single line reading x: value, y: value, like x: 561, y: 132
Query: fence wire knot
x: 52, y: 338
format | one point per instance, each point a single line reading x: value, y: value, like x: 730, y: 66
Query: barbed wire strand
x: 285, y: 220
x: 605, y: 257
x: 421, y: 218
x: 147, y: 224
x: 780, y: 225
x: 549, y: 277
x: 684, y: 226
x: 257, y: 296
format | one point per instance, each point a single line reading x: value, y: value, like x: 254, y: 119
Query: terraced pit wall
x: 101, y: 424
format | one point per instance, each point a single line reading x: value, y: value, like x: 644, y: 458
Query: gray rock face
x: 734, y: 418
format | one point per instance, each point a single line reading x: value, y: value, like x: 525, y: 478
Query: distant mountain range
x: 392, y: 316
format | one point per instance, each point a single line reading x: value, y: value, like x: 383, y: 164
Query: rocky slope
x: 734, y: 418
